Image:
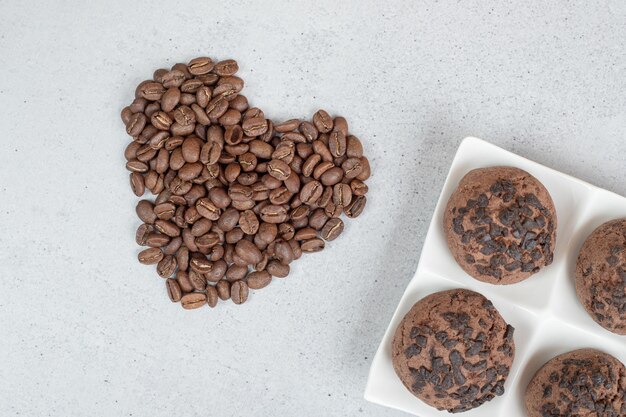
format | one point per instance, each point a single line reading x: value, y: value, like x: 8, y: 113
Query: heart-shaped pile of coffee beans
x: 238, y: 198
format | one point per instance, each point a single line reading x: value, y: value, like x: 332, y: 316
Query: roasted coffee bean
x: 199, y: 263
x: 142, y: 234
x: 217, y: 272
x: 166, y: 227
x: 239, y: 292
x: 274, y: 214
x: 172, y: 247
x: 332, y: 176
x: 311, y: 192
x: 137, y: 166
x: 277, y: 269
x: 322, y: 121
x: 236, y: 272
x: 193, y: 300
x: 286, y: 231
x: 156, y: 240
x: 333, y: 210
x: 197, y: 280
x: 182, y: 258
x: 267, y: 232
x: 182, y: 277
x: 322, y: 168
x: 248, y: 222
x: 337, y: 144
x: 312, y: 245
x: 173, y: 290
x: 166, y: 266
x: 151, y: 90
x: 356, y: 207
x: 211, y: 295
x: 287, y: 126
x: 358, y: 187
x: 325, y: 198
x: 208, y: 209
x: 342, y: 195
x: 332, y: 229
x: 190, y: 149
x: 283, y: 252
x: 248, y: 252
x: 145, y: 211
x: 278, y: 169
x: 150, y: 256
x: 365, y: 169
x: 310, y: 164
x: 223, y: 289
x: 318, y: 219
x: 258, y: 279
x: 305, y: 234
x: 234, y: 235
x: 137, y: 184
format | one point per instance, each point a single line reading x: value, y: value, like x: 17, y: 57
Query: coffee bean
x: 145, y: 211
x: 228, y: 220
x: 236, y: 272
x: 156, y: 240
x: 283, y: 252
x: 312, y: 245
x: 223, y: 289
x: 365, y: 169
x: 318, y: 219
x: 322, y: 121
x: 197, y: 280
x: 207, y: 209
x: 151, y: 91
x: 212, y: 296
x: 193, y: 300
x: 258, y: 279
x: 274, y: 214
x: 337, y: 144
x: 166, y: 266
x: 352, y: 167
x: 332, y: 229
x: 305, y: 234
x: 142, y: 234
x: 277, y: 269
x: 150, y: 256
x: 358, y: 187
x: 342, y: 194
x: 217, y: 271
x: 172, y: 247
x: 199, y: 263
x: 166, y: 227
x: 248, y: 252
x: 239, y: 292
x: 356, y: 207
x: 173, y: 290
x: 286, y: 231
x: 278, y: 169
x: 137, y: 184
x: 332, y: 176
x: 311, y: 192
x: 248, y: 222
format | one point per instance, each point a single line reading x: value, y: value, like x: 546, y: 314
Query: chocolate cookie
x: 500, y: 225
x: 453, y: 350
x: 601, y: 276
x: 581, y: 383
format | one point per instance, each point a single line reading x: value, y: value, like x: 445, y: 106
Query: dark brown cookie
x: 453, y: 350
x: 585, y: 383
x: 601, y: 276
x: 500, y: 225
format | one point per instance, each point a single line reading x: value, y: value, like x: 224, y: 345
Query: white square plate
x: 544, y: 309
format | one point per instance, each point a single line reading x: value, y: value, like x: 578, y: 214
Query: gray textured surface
x: 87, y: 330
